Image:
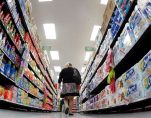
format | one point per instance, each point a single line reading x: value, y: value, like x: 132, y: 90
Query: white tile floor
x: 14, y: 114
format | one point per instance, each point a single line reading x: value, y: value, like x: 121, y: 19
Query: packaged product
x: 145, y: 68
x: 1, y: 57
x: 138, y: 23
x: 104, y: 103
x: 121, y: 97
x: 142, y: 3
x: 123, y: 45
x: 147, y: 11
x: 119, y: 83
x: 112, y: 100
x: 1, y: 92
x: 134, y: 92
x: 12, y: 73
x: 8, y: 94
x: 116, y: 20
x: 14, y: 94
x: 131, y: 76
x: 7, y: 68
x: 124, y: 6
x: 107, y: 90
x: 109, y: 61
x: 111, y: 76
x: 102, y: 94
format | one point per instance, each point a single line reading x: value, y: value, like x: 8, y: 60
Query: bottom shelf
x: 142, y: 105
x: 9, y: 104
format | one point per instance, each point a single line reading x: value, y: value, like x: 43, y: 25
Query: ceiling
x: 74, y: 21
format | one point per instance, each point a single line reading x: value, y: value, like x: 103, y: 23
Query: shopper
x: 69, y: 87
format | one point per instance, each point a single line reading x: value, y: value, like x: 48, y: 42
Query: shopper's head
x: 68, y: 64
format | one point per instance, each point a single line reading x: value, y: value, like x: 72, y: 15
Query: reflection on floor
x: 15, y: 114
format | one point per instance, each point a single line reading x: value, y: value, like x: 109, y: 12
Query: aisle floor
x: 14, y: 114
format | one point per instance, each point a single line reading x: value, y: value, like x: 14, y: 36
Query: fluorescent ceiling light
x: 83, y: 69
x: 95, y: 32
x: 54, y: 55
x: 50, y: 31
x: 45, y: 0
x: 57, y: 68
x: 103, y: 2
x: 88, y: 55
x: 47, y: 57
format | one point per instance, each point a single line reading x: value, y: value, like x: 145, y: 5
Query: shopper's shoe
x: 71, y: 114
x: 67, y: 111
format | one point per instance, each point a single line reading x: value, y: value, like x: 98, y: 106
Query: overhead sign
x: 48, y: 48
x: 87, y: 48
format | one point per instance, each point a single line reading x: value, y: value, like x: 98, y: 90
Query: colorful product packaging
x: 145, y: 68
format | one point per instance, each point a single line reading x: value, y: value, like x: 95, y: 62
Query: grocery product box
x: 138, y: 22
x: 124, y: 44
x: 133, y: 75
x: 107, y: 15
x: 145, y: 68
x: 134, y: 92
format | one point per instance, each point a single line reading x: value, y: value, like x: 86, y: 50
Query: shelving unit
x: 113, y: 42
x: 39, y: 63
x: 132, y: 57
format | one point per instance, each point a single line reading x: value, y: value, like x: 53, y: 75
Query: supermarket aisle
x: 14, y: 114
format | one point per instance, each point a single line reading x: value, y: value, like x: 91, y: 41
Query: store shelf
x: 14, y: 21
x: 9, y: 37
x: 51, y: 83
x: 27, y: 30
x: 50, y: 90
x: 141, y: 104
x: 124, y: 22
x: 115, y: 39
x: 103, y: 38
x: 104, y: 82
x: 33, y: 42
x: 9, y: 81
x: 7, y: 104
x: 30, y: 67
x: 136, y: 53
x: 29, y: 93
x: 5, y: 80
x: 33, y: 83
x: 84, y: 100
x: 26, y: 26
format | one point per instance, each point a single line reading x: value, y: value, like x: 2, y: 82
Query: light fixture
x: 57, y: 68
x: 95, y: 32
x: 45, y: 0
x: 83, y: 69
x: 88, y: 55
x: 103, y: 2
x: 47, y: 57
x: 50, y: 31
x: 54, y: 55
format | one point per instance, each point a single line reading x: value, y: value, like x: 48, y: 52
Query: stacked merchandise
x: 121, y: 47
x: 48, y: 104
x: 22, y: 66
x: 133, y: 86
